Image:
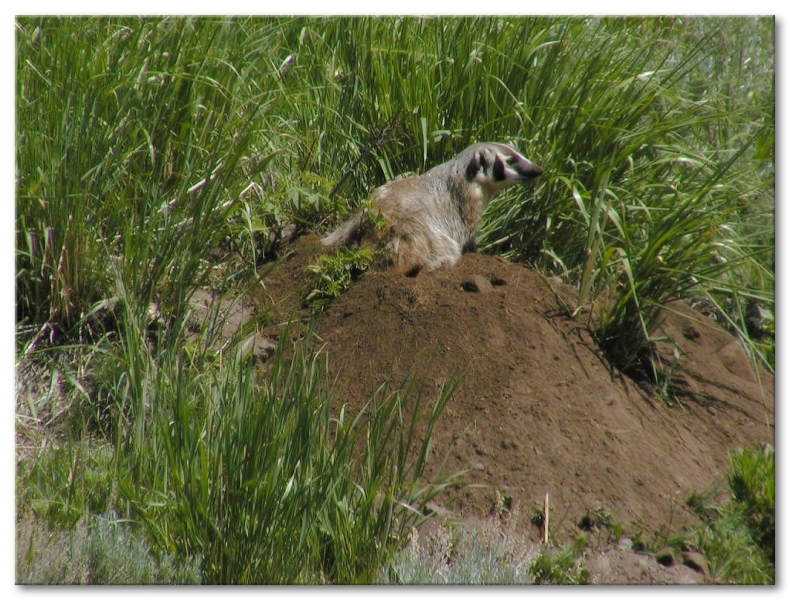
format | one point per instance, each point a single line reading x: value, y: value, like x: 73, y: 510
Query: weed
x: 560, y: 567
x: 334, y: 274
x: 738, y: 535
x: 65, y: 483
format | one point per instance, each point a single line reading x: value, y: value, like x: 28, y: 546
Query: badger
x: 425, y: 222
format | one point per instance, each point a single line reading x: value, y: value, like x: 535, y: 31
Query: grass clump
x: 655, y: 190
x: 264, y: 482
x: 334, y: 273
x: 248, y: 477
x: 738, y: 536
x: 133, y: 143
x: 65, y: 483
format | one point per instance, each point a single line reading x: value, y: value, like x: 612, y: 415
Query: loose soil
x: 538, y: 409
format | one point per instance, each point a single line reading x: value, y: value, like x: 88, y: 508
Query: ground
x: 538, y: 409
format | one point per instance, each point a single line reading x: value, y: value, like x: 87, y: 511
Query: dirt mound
x: 538, y: 409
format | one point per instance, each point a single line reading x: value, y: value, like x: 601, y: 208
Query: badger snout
x: 527, y: 169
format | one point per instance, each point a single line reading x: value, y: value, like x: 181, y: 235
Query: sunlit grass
x: 738, y: 535
x: 262, y: 480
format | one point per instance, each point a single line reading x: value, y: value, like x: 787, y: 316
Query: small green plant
x: 334, y: 274
x: 753, y: 485
x: 561, y: 567
x: 306, y: 201
x: 64, y: 484
x: 602, y: 525
x: 738, y: 535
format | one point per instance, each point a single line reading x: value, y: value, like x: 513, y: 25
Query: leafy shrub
x: 559, y: 567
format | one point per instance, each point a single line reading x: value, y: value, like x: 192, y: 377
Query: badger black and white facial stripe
x: 498, y: 165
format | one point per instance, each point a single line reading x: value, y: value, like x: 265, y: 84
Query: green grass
x: 160, y: 156
x: 738, y: 534
x: 333, y: 274
x: 656, y: 135
x: 261, y: 480
x: 255, y: 474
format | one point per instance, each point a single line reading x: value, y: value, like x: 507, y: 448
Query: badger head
x: 496, y: 166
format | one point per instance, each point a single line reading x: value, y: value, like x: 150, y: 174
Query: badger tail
x: 351, y: 230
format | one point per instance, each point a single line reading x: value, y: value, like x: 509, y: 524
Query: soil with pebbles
x: 538, y: 409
